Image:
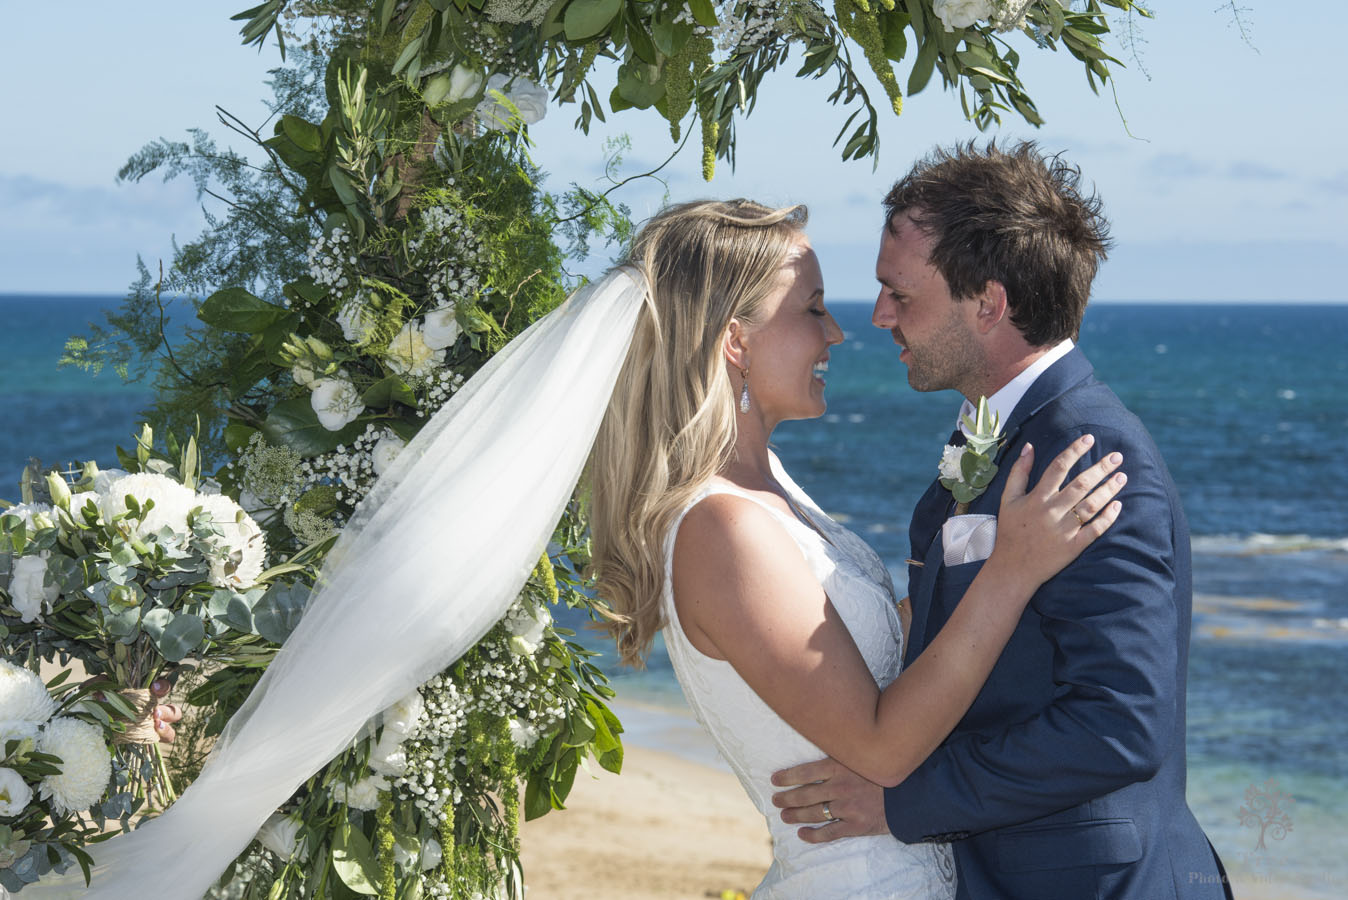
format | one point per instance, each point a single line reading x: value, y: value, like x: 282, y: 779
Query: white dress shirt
x: 1003, y: 403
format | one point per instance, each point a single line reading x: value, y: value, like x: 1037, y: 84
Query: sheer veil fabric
x: 431, y: 559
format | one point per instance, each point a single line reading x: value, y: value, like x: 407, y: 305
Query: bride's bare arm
x: 744, y: 593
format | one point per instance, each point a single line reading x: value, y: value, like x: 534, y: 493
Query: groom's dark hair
x: 1015, y: 216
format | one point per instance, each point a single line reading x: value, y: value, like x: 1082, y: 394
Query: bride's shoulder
x: 725, y: 528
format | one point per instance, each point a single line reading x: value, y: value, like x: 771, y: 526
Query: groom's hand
x: 857, y: 806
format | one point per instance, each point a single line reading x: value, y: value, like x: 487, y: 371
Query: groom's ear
x: 992, y: 307
x: 736, y: 353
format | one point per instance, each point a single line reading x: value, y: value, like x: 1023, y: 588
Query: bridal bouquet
x: 124, y: 575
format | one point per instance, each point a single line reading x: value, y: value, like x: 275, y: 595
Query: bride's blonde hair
x: 670, y: 423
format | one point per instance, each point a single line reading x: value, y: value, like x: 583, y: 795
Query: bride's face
x: 788, y: 349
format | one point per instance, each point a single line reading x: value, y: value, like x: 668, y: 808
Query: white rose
x: 86, y: 764
x: 387, y: 756
x: 385, y: 452
x: 442, y: 327
x: 28, y: 590
x: 364, y: 794
x: 23, y: 696
x: 950, y: 462
x: 15, y: 794
x: 356, y: 320
x: 243, y: 547
x: 404, y: 717
x: 336, y: 401
x: 278, y: 835
x: 410, y: 356
x: 431, y: 854
x: 961, y: 13
x: 530, y: 99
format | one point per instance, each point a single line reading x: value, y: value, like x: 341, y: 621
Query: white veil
x: 431, y: 560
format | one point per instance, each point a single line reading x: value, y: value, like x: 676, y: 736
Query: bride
x: 781, y: 624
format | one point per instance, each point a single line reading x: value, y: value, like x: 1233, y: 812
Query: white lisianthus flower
x: 356, y: 320
x: 244, y: 547
x: 530, y: 99
x: 442, y: 327
x: 410, y: 356
x: 364, y: 794
x: 385, y: 452
x: 336, y: 401
x: 950, y: 462
x: 171, y: 502
x: 278, y: 834
x: 28, y: 588
x: 404, y: 717
x: 105, y: 478
x: 527, y: 627
x: 523, y: 734
x: 304, y: 374
x: 961, y: 13
x: 86, y: 764
x: 450, y: 87
x: 15, y: 794
x: 23, y: 696
x: 387, y: 756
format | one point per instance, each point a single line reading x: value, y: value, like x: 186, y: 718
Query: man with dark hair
x: 1066, y: 777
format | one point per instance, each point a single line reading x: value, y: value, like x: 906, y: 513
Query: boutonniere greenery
x: 968, y: 470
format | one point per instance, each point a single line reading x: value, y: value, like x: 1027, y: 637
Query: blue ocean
x: 1249, y: 404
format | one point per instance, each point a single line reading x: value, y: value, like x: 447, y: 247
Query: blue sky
x: 1230, y: 187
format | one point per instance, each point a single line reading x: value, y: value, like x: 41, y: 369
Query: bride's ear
x: 736, y: 353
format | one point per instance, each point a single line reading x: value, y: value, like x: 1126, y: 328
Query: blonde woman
x: 782, y: 625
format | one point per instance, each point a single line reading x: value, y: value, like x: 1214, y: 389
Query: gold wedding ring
x: 1076, y: 515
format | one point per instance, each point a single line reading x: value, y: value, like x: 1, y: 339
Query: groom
x: 1065, y: 779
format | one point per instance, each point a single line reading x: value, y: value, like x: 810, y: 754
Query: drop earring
x: 744, y: 391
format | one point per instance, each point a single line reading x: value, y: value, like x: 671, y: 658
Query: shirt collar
x: 1003, y: 403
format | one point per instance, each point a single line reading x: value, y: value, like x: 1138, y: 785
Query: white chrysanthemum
x: 86, y: 764
x: 523, y: 734
x: 385, y: 452
x: 405, y: 716
x: 410, y: 356
x: 244, y: 548
x: 530, y: 99
x: 171, y: 502
x: 961, y: 13
x: 278, y: 835
x: 337, y: 402
x: 442, y: 327
x: 950, y: 462
x: 23, y: 696
x: 104, y: 479
x: 29, y: 591
x: 356, y: 320
x: 15, y: 794
x: 364, y: 794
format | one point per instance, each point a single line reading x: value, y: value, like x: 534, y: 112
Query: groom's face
x: 916, y: 307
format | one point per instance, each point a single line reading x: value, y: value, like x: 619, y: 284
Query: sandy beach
x: 676, y: 826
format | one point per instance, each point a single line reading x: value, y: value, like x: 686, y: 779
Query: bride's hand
x: 1041, y: 531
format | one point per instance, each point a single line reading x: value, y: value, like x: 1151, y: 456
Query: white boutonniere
x: 967, y: 471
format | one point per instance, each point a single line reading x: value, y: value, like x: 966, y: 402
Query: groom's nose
x: 883, y: 316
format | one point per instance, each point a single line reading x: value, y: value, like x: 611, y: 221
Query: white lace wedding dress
x: 756, y: 742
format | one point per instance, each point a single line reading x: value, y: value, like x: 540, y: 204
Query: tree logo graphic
x: 1268, y: 808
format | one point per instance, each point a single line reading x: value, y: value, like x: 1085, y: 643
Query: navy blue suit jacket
x: 1066, y: 777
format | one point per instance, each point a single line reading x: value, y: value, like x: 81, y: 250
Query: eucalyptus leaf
x: 280, y: 610
x: 155, y: 621
x: 183, y: 635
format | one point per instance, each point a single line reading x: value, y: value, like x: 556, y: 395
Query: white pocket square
x: 968, y: 538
